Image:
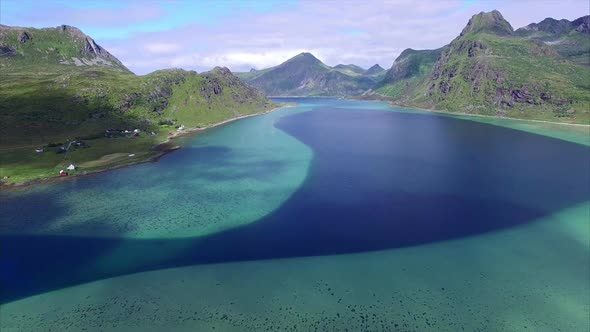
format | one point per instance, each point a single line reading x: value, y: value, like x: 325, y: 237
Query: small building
x: 63, y: 173
x: 39, y: 150
x: 71, y: 167
x: 136, y: 132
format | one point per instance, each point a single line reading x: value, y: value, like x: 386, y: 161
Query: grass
x: 55, y: 107
x: 24, y: 164
x: 478, y: 83
x: 43, y: 101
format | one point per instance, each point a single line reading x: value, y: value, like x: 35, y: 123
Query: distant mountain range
x: 570, y: 39
x: 541, y: 71
x: 306, y: 75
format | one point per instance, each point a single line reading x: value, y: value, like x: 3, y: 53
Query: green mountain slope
x: 488, y: 69
x: 24, y: 47
x: 305, y: 75
x: 54, y: 87
x: 408, y: 72
x: 570, y: 39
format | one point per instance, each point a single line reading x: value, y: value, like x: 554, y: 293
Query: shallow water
x: 342, y: 213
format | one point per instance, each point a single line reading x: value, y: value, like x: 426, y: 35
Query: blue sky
x: 149, y: 35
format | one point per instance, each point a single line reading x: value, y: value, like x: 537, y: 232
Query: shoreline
x: 163, y: 148
x: 430, y: 110
x: 217, y: 124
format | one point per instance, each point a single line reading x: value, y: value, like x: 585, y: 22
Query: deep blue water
x: 378, y: 180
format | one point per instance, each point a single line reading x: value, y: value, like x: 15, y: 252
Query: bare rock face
x: 582, y: 24
x: 7, y: 50
x: 93, y: 49
x: 72, y: 31
x: 522, y: 95
x: 24, y: 37
x: 220, y: 80
x: 557, y: 27
x: 129, y: 101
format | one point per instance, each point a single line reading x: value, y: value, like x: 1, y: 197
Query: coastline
x: 161, y: 149
x: 430, y: 110
x: 217, y: 124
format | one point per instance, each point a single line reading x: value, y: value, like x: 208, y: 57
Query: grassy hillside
x: 490, y: 70
x: 305, y: 75
x: 65, y: 45
x: 48, y: 100
x: 408, y: 72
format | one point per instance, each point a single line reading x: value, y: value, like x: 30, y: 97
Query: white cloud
x: 381, y: 30
x: 162, y: 48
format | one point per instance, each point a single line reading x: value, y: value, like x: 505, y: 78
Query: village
x: 79, y: 143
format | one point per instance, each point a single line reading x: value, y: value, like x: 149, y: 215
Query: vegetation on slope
x: 490, y: 70
x: 570, y: 39
x: 47, y: 100
x: 409, y: 70
x: 305, y: 75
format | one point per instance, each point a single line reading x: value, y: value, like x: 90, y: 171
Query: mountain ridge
x: 58, y: 84
x: 25, y: 44
x: 491, y: 69
x: 306, y: 75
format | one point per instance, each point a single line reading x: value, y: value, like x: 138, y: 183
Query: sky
x: 147, y: 35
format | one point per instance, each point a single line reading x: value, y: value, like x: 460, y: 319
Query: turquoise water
x: 221, y: 178
x: 332, y: 215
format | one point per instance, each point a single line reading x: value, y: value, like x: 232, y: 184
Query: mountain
x: 491, y: 23
x: 51, y: 46
x: 570, y: 39
x: 58, y: 84
x: 557, y: 27
x: 305, y: 75
x: 374, y: 70
x: 408, y: 72
x: 490, y: 69
x: 350, y: 69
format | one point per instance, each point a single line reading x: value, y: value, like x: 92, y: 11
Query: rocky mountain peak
x: 375, y: 69
x: 557, y: 27
x: 582, y: 24
x: 224, y: 71
x: 73, y: 31
x: 549, y: 25
x: 489, y: 22
x: 63, y: 45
